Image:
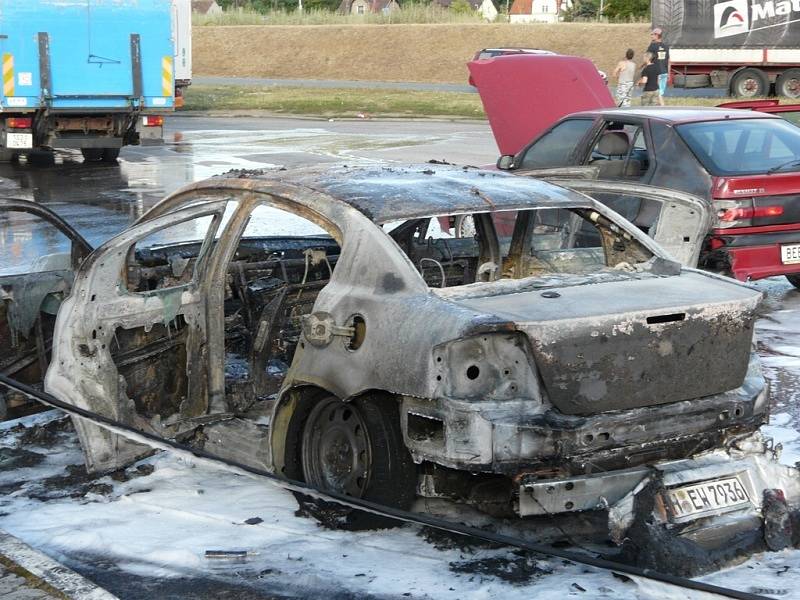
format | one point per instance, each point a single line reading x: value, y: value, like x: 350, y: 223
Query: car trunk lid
x: 525, y: 94
x: 624, y: 344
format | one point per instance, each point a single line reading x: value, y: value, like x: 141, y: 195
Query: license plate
x: 697, y: 499
x: 19, y: 140
x: 790, y: 254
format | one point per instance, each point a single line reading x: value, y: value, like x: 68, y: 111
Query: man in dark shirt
x: 660, y: 52
x: 649, y: 78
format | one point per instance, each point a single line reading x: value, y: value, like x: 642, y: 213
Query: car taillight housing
x: 152, y: 120
x: 19, y: 122
x: 741, y: 212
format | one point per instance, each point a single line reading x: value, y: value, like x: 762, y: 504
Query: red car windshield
x: 744, y: 146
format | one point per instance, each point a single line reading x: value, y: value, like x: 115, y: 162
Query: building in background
x: 206, y: 7
x: 534, y: 11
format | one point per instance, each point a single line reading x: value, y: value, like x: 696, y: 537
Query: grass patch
x: 411, y: 13
x: 358, y: 103
x: 354, y: 103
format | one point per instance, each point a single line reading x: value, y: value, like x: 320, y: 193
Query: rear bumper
x: 677, y: 515
x: 751, y: 256
x: 515, y: 437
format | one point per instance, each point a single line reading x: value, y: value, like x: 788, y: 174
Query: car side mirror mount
x: 505, y: 162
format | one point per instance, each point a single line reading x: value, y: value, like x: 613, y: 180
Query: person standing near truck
x: 625, y: 72
x: 649, y: 78
x: 660, y: 52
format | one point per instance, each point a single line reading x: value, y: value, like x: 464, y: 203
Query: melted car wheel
x: 356, y: 449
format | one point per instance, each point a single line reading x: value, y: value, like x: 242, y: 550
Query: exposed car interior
x: 455, y: 251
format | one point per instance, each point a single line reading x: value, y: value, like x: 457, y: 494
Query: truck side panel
x: 76, y: 55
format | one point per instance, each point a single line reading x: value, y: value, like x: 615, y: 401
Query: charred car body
x: 744, y: 164
x: 567, y: 368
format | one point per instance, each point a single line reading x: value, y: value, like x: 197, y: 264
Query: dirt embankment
x: 419, y: 53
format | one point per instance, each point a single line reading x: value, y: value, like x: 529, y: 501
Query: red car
x: 746, y: 164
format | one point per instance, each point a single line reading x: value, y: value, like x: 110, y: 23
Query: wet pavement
x: 100, y: 200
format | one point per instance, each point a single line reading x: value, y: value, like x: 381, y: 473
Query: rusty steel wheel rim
x: 336, y: 451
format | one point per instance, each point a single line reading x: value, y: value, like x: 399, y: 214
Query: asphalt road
x: 101, y: 199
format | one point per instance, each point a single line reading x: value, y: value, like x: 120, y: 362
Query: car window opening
x: 620, y: 152
x: 455, y: 251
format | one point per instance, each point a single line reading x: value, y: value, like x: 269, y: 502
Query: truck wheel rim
x: 792, y: 88
x: 336, y: 451
x: 748, y: 87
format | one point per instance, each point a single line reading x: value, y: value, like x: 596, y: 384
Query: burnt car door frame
x: 18, y: 363
x: 682, y: 222
x: 84, y: 371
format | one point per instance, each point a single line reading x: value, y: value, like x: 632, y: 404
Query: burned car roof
x: 386, y: 194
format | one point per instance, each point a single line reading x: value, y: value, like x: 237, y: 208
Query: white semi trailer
x: 750, y: 48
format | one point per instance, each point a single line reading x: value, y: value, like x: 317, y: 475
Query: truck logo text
x: 740, y: 16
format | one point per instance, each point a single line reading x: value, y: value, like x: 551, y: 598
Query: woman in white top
x: 625, y: 72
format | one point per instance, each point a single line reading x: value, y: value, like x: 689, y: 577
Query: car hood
x: 525, y: 94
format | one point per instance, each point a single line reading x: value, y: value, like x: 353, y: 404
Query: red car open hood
x: 525, y: 94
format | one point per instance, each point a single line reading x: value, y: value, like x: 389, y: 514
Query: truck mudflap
x: 693, y: 515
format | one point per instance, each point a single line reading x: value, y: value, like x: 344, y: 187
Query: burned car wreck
x: 394, y: 332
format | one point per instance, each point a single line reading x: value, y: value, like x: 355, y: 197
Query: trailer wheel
x: 749, y: 83
x: 110, y: 154
x: 357, y: 449
x: 788, y: 84
x: 92, y: 154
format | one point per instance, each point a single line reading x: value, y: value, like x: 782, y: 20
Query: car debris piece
x: 544, y: 357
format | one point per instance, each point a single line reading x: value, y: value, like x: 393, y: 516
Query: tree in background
x: 583, y: 10
x: 461, y: 7
x: 626, y: 9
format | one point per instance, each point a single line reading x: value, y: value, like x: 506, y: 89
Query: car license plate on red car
x: 690, y: 501
x: 790, y: 254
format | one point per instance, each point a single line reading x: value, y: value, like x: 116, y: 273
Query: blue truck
x: 89, y: 74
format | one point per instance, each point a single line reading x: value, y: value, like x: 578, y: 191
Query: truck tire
x: 110, y: 154
x: 92, y: 154
x: 7, y: 156
x: 749, y: 83
x: 788, y: 84
x: 698, y: 81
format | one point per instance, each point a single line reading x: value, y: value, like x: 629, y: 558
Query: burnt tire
x: 788, y: 84
x: 749, y: 83
x: 355, y: 449
x: 794, y: 280
x: 92, y: 154
x: 110, y: 154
